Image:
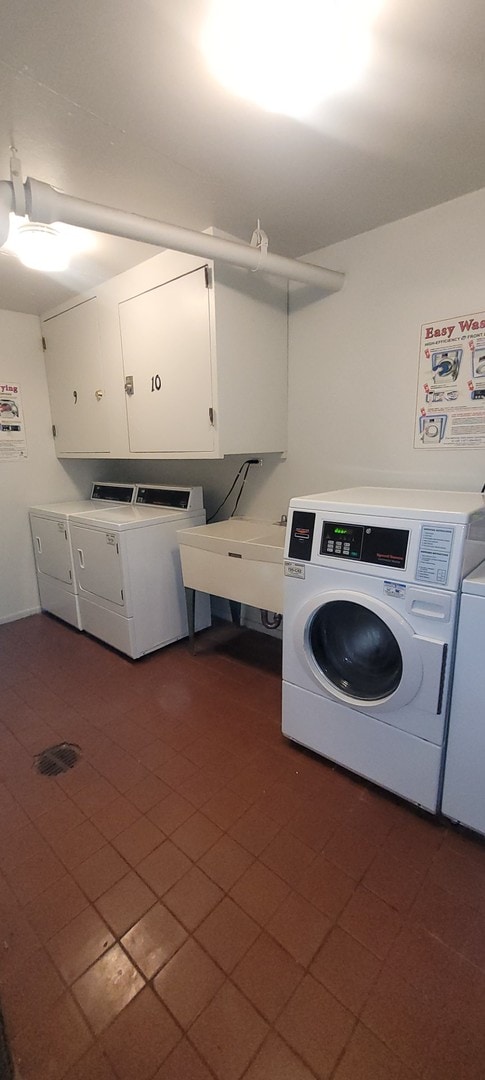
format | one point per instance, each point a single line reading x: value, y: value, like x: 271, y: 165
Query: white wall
x: 353, y: 373
x: 353, y: 364
x: 38, y: 478
x: 353, y: 360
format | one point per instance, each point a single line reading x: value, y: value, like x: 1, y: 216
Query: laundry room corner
x: 37, y: 473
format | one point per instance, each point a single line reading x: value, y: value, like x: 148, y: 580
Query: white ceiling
x: 110, y: 101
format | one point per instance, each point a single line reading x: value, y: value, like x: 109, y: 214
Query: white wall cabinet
x: 190, y: 358
x: 75, y: 380
x: 165, y: 341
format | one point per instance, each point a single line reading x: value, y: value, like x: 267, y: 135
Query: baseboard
x: 19, y: 615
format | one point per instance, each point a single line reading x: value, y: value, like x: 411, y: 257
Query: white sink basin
x: 240, y: 559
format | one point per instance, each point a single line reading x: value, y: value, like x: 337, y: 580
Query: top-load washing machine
x: 372, y: 584
x: 131, y: 593
x: 54, y: 563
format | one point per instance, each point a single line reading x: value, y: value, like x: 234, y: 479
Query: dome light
x: 41, y: 247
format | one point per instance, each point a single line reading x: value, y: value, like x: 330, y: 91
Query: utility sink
x: 240, y: 559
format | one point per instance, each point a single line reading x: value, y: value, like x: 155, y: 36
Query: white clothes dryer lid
x: 131, y: 517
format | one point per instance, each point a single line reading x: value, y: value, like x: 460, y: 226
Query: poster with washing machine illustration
x: 12, y: 429
x: 450, y: 400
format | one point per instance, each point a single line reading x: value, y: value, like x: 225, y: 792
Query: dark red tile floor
x: 198, y: 898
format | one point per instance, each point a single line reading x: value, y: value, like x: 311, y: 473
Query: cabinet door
x: 74, y: 377
x: 165, y: 337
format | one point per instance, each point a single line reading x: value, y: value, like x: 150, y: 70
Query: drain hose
x: 271, y: 624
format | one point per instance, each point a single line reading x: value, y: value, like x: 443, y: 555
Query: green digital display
x: 340, y: 532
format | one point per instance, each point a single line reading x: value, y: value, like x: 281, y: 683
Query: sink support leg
x: 235, y: 612
x: 190, y: 605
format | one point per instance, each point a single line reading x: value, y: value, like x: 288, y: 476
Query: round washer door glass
x: 355, y: 650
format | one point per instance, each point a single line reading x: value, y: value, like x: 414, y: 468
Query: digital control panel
x: 342, y: 540
x: 365, y: 543
x: 178, y: 498
x: 104, y: 492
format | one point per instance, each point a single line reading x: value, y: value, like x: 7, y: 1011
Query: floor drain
x: 57, y: 759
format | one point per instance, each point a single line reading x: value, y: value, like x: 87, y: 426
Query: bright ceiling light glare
x: 41, y: 247
x: 288, y: 57
x: 46, y: 247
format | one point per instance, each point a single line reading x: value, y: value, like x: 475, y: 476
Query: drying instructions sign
x: 12, y: 429
x: 450, y: 404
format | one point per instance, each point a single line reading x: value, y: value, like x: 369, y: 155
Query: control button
x: 346, y: 549
x: 329, y: 545
x: 338, y: 547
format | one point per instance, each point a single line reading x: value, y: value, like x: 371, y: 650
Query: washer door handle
x: 81, y: 558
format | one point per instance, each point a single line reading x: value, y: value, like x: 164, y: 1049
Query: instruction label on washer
x: 294, y: 570
x: 395, y: 588
x: 434, y: 554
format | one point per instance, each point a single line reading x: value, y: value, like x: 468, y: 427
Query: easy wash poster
x: 450, y: 404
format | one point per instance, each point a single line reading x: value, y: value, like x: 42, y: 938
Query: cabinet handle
x: 81, y: 558
x: 98, y: 394
x: 39, y: 545
x: 74, y: 394
x: 129, y: 385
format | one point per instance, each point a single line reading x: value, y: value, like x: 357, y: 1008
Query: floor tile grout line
x: 405, y: 916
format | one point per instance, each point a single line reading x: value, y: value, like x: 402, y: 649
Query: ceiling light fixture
x: 46, y: 247
x: 288, y: 57
x: 37, y: 245
x: 41, y: 247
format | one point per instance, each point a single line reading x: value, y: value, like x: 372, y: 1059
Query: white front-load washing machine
x: 49, y: 524
x: 372, y: 581
x: 464, y: 776
x: 131, y: 593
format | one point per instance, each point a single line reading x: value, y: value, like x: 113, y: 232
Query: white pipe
x: 45, y: 204
x: 6, y: 207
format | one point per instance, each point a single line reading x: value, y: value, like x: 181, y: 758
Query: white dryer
x: 127, y: 560
x: 464, y: 778
x: 49, y: 524
x: 372, y: 580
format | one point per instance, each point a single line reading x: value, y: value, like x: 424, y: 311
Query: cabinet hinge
x: 208, y: 277
x: 44, y: 344
x: 211, y: 416
x: 54, y: 431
